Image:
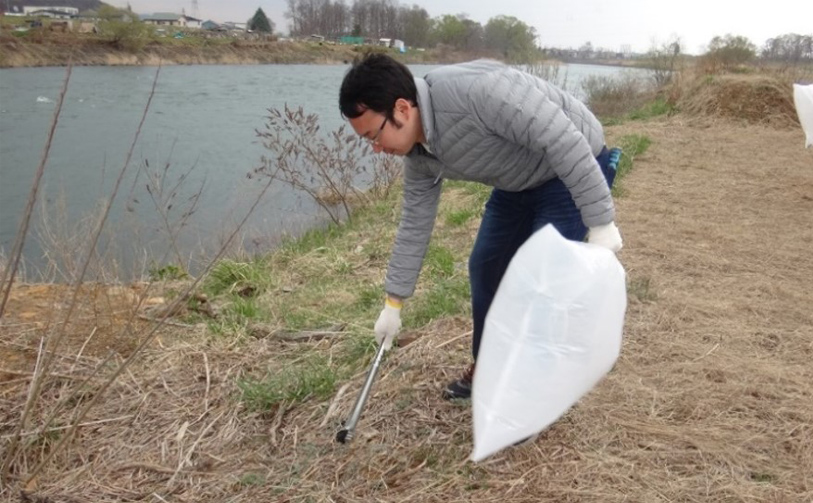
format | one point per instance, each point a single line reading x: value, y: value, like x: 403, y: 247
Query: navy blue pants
x: 510, y: 218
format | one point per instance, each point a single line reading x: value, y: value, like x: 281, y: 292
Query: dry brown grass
x: 753, y: 99
x: 711, y: 400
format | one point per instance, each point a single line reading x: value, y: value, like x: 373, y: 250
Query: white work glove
x: 388, y: 324
x: 606, y: 236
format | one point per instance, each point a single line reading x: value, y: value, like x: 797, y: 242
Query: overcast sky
x: 607, y: 24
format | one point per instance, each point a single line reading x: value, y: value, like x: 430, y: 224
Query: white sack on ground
x: 552, y: 332
x: 803, y: 97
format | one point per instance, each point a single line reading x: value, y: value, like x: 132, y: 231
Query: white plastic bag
x: 552, y: 333
x: 803, y: 97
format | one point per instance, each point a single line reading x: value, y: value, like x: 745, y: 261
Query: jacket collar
x: 427, y: 114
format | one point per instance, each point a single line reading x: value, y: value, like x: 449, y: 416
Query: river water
x: 201, y: 124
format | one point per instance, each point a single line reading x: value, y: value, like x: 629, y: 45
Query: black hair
x: 375, y: 82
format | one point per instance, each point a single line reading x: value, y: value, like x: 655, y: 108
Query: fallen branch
x: 155, y: 468
x: 261, y: 331
x: 165, y: 322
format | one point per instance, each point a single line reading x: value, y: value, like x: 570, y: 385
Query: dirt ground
x: 710, y: 401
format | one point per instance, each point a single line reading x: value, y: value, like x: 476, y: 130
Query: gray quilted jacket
x: 489, y: 123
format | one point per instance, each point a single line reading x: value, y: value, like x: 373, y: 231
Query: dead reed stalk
x: 7, y: 279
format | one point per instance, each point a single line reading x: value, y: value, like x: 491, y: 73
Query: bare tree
x: 664, y: 60
x: 328, y: 170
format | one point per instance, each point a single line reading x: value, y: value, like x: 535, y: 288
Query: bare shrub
x: 122, y: 30
x: 386, y: 171
x: 616, y: 96
x: 664, y: 61
x: 328, y: 169
x: 63, y: 241
x: 728, y: 53
x: 550, y: 72
x: 174, y: 207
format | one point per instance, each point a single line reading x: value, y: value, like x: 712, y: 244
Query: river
x: 201, y: 124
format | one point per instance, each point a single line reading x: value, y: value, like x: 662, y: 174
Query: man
x: 540, y: 148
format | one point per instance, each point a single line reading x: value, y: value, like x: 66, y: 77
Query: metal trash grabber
x: 346, y: 434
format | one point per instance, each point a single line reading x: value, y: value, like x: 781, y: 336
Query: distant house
x: 170, y: 19
x: 392, y: 42
x: 191, y: 22
x: 53, y: 14
x: 162, y: 19
x: 30, y: 10
x: 210, y: 25
x: 232, y: 26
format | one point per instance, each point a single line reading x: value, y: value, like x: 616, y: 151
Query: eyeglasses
x: 374, y: 140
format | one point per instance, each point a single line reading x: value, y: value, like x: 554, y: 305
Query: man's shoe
x: 461, y: 388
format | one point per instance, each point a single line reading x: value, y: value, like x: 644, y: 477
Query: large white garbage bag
x: 803, y: 97
x: 552, y: 333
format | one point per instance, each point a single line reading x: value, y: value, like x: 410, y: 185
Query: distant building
x: 170, y: 19
x: 392, y: 42
x: 351, y: 40
x: 232, y: 26
x: 29, y: 10
x: 192, y: 22
x: 210, y: 25
x: 51, y: 13
x: 162, y: 19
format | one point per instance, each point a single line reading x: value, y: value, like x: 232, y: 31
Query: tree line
x: 789, y: 48
x: 733, y: 50
x: 374, y: 19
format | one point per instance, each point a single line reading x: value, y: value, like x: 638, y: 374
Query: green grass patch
x: 312, y: 378
x: 167, y: 272
x: 480, y: 191
x: 369, y: 297
x: 460, y: 217
x: 650, y: 110
x: 447, y: 298
x: 312, y: 240
x: 654, y: 109
x: 242, y: 309
x: 356, y: 351
x: 300, y: 318
x: 633, y: 146
x: 251, y: 479
x: 238, y: 278
x: 439, y: 262
x: 641, y: 289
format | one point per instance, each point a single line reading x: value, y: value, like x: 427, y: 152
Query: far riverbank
x: 59, y: 49
x: 54, y: 51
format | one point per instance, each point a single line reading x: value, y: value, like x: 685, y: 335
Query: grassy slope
x: 696, y: 410
x: 333, y: 277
